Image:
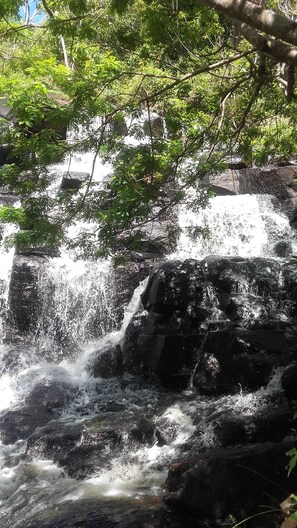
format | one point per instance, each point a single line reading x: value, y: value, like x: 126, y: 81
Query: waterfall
x: 77, y: 301
x: 79, y: 449
x: 245, y: 225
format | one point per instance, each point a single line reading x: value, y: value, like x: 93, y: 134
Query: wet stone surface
x: 86, y: 447
x: 191, y: 385
x: 233, y: 316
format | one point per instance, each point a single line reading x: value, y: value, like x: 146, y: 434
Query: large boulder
x: 268, y: 424
x: 73, y: 181
x: 20, y: 423
x: 223, y: 323
x: 106, y: 363
x: 233, y: 482
x: 289, y: 381
x: 233, y: 359
x: 84, y: 447
x: 43, y: 404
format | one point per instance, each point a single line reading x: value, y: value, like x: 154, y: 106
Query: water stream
x: 73, y: 443
x: 245, y: 225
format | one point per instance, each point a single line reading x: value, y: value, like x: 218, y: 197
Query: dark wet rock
x: 272, y: 335
x: 171, y: 356
x: 64, y: 523
x: 154, y: 126
x: 140, y: 518
x: 54, y: 437
x: 44, y: 403
x: 24, y: 300
x: 290, y: 285
x: 293, y: 220
x: 6, y: 155
x: 233, y: 481
x: 283, y: 249
x: 127, y: 278
x: 237, y: 165
x: 131, y: 517
x: 289, y: 381
x: 97, y: 519
x: 73, y: 181
x: 172, y: 285
x: 143, y: 431
x: 254, y: 276
x: 106, y: 363
x: 20, y: 423
x: 85, y: 447
x: 37, y: 251
x: 132, y: 360
x: 119, y: 127
x: 50, y: 394
x: 226, y: 317
x: 267, y: 425
x: 80, y: 450
x: 231, y: 361
x: 136, y: 259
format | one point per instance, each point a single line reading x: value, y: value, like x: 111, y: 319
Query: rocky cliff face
x: 223, y: 326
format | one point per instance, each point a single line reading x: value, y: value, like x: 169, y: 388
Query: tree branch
x: 257, y: 17
x: 194, y: 73
x: 47, y: 9
x: 279, y: 51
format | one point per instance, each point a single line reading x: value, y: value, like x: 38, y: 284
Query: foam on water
x: 7, y: 392
x: 28, y: 485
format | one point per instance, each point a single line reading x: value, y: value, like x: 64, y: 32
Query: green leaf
x: 293, y: 460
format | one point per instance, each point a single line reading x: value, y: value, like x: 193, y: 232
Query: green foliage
x: 293, y: 452
x: 293, y: 460
x: 124, y: 60
x: 14, y: 215
x: 9, y: 8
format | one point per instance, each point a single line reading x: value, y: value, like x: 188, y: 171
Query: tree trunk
x: 257, y: 17
x: 276, y: 49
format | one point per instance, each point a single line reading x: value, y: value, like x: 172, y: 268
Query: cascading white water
x: 129, y: 473
x: 243, y: 225
x: 6, y: 259
x: 77, y: 308
x: 83, y: 162
x: 77, y: 301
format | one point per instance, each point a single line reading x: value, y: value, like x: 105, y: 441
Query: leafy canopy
x: 65, y: 63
